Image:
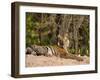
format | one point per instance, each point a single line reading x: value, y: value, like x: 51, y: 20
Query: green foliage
x: 36, y: 31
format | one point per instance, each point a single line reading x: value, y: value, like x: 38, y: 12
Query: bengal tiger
x: 51, y: 51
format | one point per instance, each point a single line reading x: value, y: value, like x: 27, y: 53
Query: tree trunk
x: 77, y: 25
x: 63, y: 32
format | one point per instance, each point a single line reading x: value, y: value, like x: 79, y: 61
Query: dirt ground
x: 35, y: 61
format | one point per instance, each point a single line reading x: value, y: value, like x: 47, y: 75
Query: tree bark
x: 77, y: 25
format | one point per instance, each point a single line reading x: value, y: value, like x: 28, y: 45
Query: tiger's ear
x: 60, y: 37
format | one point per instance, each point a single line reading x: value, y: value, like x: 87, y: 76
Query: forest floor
x: 38, y: 61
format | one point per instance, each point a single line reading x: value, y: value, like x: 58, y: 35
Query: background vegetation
x: 44, y: 28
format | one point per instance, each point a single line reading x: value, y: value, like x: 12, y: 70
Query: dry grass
x: 34, y: 61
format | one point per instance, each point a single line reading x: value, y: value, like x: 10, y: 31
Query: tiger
x: 51, y: 51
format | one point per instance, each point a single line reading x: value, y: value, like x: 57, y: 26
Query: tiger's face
x: 63, y: 41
